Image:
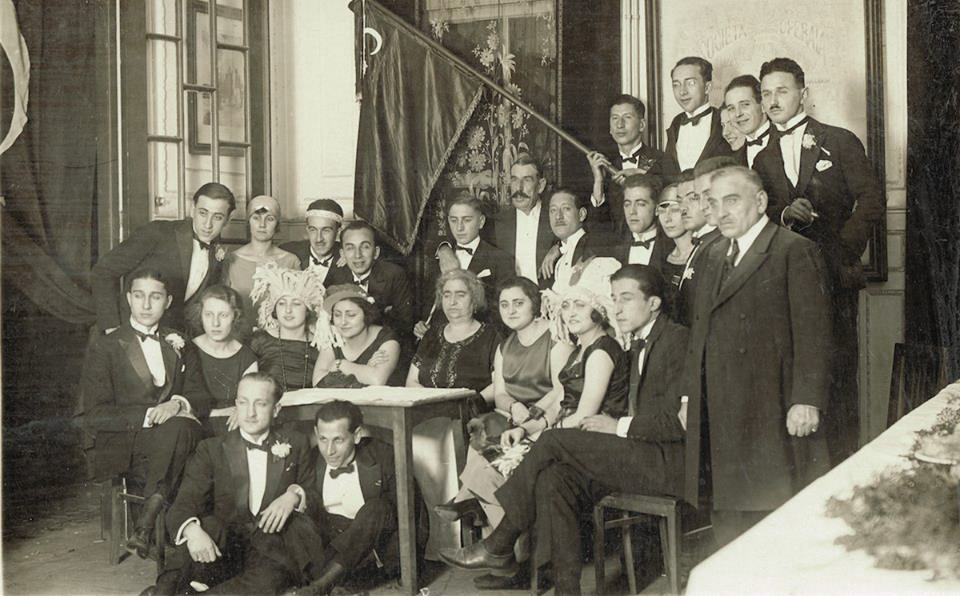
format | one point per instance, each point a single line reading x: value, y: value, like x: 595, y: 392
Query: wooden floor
x: 52, y: 545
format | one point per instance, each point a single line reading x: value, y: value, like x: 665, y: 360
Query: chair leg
x: 160, y: 531
x: 117, y: 523
x: 671, y: 555
x: 534, y: 564
x: 628, y: 561
x: 599, y: 557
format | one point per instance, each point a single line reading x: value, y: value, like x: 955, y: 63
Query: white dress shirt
x: 752, y: 150
x: 623, y: 424
x: 790, y: 146
x: 528, y: 227
x: 564, y: 269
x: 322, y: 269
x: 342, y: 495
x: 746, y: 241
x: 363, y: 280
x: 152, y: 353
x: 463, y: 256
x: 639, y: 255
x: 703, y: 231
x: 691, y: 139
x: 624, y: 166
x: 199, y: 263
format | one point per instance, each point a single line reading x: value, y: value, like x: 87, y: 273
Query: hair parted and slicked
x: 652, y: 183
x: 276, y: 389
x: 706, y: 69
x: 146, y: 273
x: 339, y: 409
x: 650, y: 281
x: 747, y: 81
x: 216, y: 191
x: 712, y: 164
x: 359, y: 225
x: 626, y: 98
x: 787, y: 65
x: 526, y: 159
x: 749, y: 174
x: 578, y: 198
x: 466, y: 197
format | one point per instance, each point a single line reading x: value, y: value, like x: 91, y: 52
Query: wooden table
x: 397, y: 409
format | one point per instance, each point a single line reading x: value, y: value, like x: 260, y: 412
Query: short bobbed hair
x: 529, y: 289
x: 220, y: 292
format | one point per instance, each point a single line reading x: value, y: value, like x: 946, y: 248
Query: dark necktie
x: 465, y: 249
x: 334, y: 472
x: 694, y: 120
x: 252, y: 445
x: 639, y: 343
x: 795, y: 126
x: 729, y: 262
x: 203, y: 245
x: 321, y: 262
x: 643, y: 243
x: 145, y: 336
x: 759, y: 140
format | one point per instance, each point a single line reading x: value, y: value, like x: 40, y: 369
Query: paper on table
x: 374, y: 395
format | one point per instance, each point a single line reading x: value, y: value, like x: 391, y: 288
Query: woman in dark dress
x: 289, y: 324
x: 215, y: 360
x: 670, y: 214
x: 361, y: 352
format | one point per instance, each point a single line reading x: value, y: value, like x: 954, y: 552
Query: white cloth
x: 199, y: 263
x: 528, y: 226
x: 152, y: 353
x: 465, y: 257
x: 638, y: 254
x: 342, y: 495
x: 746, y: 241
x: 753, y: 150
x: 790, y: 146
x: 564, y: 268
x: 624, y: 166
x: 320, y: 270
x: 435, y: 469
x: 703, y: 231
x: 623, y: 424
x: 691, y: 139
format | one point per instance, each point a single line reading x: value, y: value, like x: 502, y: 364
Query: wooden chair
x: 115, y: 520
x: 666, y: 509
x: 919, y: 372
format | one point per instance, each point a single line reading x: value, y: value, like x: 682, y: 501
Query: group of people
x: 687, y: 329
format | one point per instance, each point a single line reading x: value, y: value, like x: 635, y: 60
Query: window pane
x: 199, y: 120
x: 162, y: 90
x: 197, y: 172
x: 233, y: 174
x: 232, y: 95
x: 230, y: 22
x: 164, y: 180
x: 198, y: 43
x: 162, y: 16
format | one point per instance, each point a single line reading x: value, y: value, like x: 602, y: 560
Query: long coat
x: 759, y: 344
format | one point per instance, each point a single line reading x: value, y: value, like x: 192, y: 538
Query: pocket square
x: 824, y: 164
x: 484, y: 273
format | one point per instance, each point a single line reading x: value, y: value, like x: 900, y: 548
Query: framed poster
x: 838, y: 43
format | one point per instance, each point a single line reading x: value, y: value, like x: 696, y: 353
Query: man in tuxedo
x: 237, y: 519
x: 627, y: 123
x: 742, y: 98
x: 185, y: 252
x: 568, y: 470
x: 130, y: 404
x: 823, y: 187
x: 523, y: 231
x: 694, y: 134
x: 320, y: 251
x: 758, y: 367
x: 644, y: 243
x: 731, y: 134
x: 354, y: 499
x: 567, y: 215
x: 491, y: 265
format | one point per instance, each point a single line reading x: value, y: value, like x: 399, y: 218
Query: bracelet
x: 336, y: 365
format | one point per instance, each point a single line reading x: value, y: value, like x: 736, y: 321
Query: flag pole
x: 473, y: 72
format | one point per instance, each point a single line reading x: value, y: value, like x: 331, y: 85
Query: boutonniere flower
x: 220, y: 253
x: 175, y: 340
x: 688, y: 274
x: 280, y: 450
x: 809, y: 141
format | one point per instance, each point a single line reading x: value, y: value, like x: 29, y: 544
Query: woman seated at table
x: 289, y: 323
x: 240, y: 265
x: 360, y: 352
x: 215, y: 360
x: 459, y: 353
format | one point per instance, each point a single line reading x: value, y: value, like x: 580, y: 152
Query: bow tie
x: 634, y: 159
x: 465, y: 249
x: 252, y: 445
x: 347, y: 469
x: 203, y: 245
x: 643, y: 243
x: 694, y: 120
x: 145, y: 336
x: 795, y: 126
x: 638, y: 344
x: 759, y: 140
x: 321, y: 262
x: 695, y: 240
x: 362, y: 282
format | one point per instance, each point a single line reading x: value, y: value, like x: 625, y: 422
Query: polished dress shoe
x: 476, y: 556
x: 490, y: 581
x: 456, y: 510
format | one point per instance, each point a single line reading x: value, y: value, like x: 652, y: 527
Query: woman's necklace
x: 283, y: 366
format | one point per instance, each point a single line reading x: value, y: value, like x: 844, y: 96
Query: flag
x: 415, y: 104
x: 15, y: 49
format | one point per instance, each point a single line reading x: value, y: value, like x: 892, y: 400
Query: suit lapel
x: 275, y: 467
x: 131, y: 346
x: 184, y: 235
x: 544, y: 233
x: 714, y: 134
x: 755, y: 256
x: 235, y: 453
x: 170, y: 360
x: 808, y: 157
x: 368, y: 471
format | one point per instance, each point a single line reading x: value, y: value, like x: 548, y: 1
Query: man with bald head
x: 758, y: 368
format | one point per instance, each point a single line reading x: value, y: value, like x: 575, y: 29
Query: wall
x: 881, y: 304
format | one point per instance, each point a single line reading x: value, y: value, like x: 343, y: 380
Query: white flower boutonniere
x: 280, y: 450
x: 688, y: 274
x: 809, y: 141
x: 220, y: 253
x: 176, y: 342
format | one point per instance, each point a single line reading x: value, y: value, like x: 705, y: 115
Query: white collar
x: 362, y: 278
x: 571, y: 241
x: 645, y: 330
x: 259, y: 441
x: 745, y: 241
x: 472, y: 245
x: 704, y: 230
x: 534, y: 212
x: 319, y: 258
x: 648, y: 234
x: 699, y: 110
x: 142, y: 329
x: 638, y: 147
x: 796, y: 118
x: 760, y: 130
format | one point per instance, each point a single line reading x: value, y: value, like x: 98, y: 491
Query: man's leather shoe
x: 323, y: 584
x: 456, y: 510
x: 140, y: 541
x: 476, y: 556
x: 518, y: 581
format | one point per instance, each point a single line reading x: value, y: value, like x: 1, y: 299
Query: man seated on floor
x: 568, y: 470
x: 237, y: 518
x: 353, y: 500
x: 129, y: 404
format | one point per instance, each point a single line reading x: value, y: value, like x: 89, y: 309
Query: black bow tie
x: 347, y: 469
x: 634, y: 159
x: 203, y: 245
x: 322, y: 262
x: 252, y: 445
x: 759, y: 140
x: 695, y: 240
x: 465, y: 249
x: 694, y: 120
x: 795, y: 126
x: 639, y: 344
x: 145, y: 336
x: 643, y: 243
x: 363, y: 282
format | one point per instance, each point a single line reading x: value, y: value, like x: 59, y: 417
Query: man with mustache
x: 523, y: 230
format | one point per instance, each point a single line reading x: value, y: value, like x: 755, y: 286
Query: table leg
x: 403, y: 453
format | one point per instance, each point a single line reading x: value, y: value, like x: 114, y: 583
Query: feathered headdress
x: 271, y: 282
x: 590, y: 282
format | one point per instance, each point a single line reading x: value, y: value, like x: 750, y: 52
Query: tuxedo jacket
x: 389, y: 287
x: 662, y: 247
x: 491, y: 265
x: 301, y: 248
x: 697, y: 268
x: 374, y: 462
x: 589, y: 246
x: 216, y: 483
x: 609, y: 217
x: 505, y: 232
x: 166, y: 246
x: 715, y: 146
x: 760, y: 343
x: 836, y: 177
